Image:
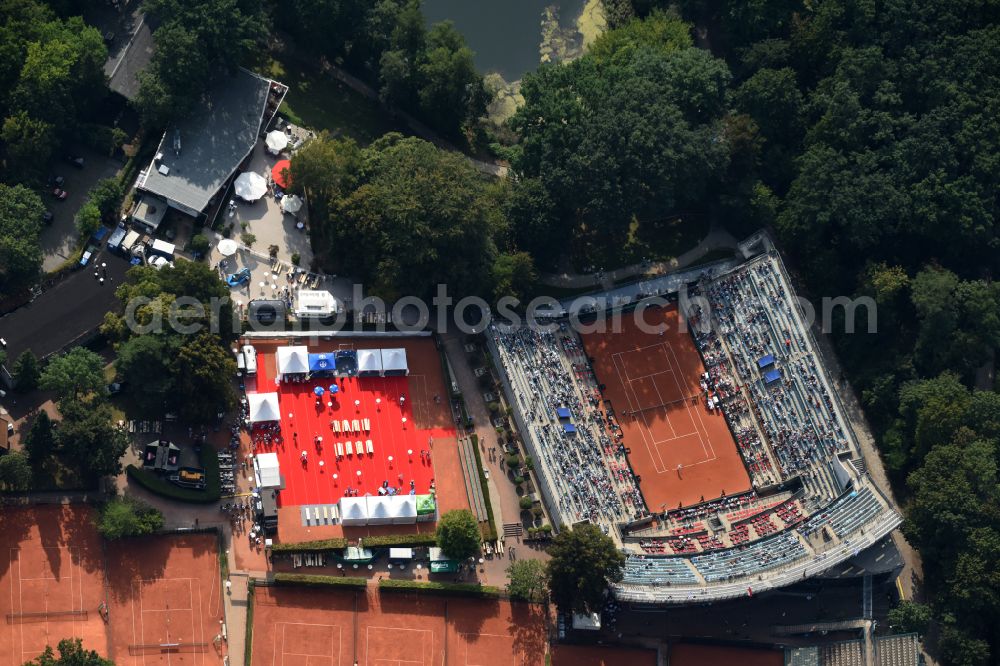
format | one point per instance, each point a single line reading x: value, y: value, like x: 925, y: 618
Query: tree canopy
x: 21, y: 212
x: 71, y: 653
x: 127, y: 517
x: 74, y: 374
x: 458, y: 534
x: 584, y: 562
x: 401, y: 215
x: 526, y: 580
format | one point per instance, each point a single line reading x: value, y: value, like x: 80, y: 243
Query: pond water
x: 504, y: 35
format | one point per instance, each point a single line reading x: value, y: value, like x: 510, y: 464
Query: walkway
x: 717, y: 239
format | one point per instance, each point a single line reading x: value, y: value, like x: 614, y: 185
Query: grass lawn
x: 321, y: 102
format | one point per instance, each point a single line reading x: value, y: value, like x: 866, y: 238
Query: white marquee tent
x: 369, y: 362
x: 293, y: 360
x: 267, y: 471
x: 394, y: 362
x: 379, y: 510
x: 353, y: 511
x: 263, y: 407
x: 404, y: 509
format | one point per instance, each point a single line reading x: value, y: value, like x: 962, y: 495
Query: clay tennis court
x: 336, y: 628
x: 377, y: 399
x: 51, y: 580
x: 165, y: 601
x: 683, y: 452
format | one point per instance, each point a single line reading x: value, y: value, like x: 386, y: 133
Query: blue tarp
x: 563, y: 413
x: 100, y: 234
x: 772, y: 376
x: 569, y: 427
x: 322, y: 363
x: 765, y: 361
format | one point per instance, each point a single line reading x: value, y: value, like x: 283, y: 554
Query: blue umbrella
x: 334, y: 388
x: 319, y: 390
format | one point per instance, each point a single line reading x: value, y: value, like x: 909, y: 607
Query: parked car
x: 75, y: 161
x: 47, y: 217
x: 60, y: 194
x: 115, y: 388
x: 56, y: 181
x: 238, y: 278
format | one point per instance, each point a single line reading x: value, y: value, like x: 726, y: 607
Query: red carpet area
x: 322, y: 478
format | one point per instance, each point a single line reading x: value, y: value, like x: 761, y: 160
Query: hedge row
x: 248, y: 637
x: 399, y: 540
x: 311, y: 580
x: 322, y: 545
x: 491, y: 535
x: 434, y: 587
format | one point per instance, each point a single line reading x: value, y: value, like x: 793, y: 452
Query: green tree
x: 200, y: 244
x: 584, y: 562
x: 15, y: 471
x: 89, y: 439
x: 107, y: 195
x: 71, y: 653
x: 146, y: 363
x: 21, y: 212
x: 74, y: 374
x: 910, y: 617
x: 88, y: 219
x: 127, y: 517
x: 249, y: 239
x: 458, y: 534
x: 661, y: 31
x: 513, y: 275
x: 451, y: 90
x: 526, y: 580
x: 41, y: 440
x: 30, y: 144
x: 418, y: 217
x: 203, y: 375
x: 27, y: 372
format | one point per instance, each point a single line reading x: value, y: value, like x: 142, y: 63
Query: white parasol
x: 276, y: 141
x: 291, y: 204
x: 228, y: 247
x: 250, y: 186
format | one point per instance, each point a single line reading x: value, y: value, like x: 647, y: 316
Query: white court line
x: 625, y: 389
x: 656, y: 443
x: 337, y: 658
x: 714, y: 455
x: 468, y: 663
x: 424, y: 661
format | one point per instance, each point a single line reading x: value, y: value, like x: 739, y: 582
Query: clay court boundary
x: 682, y: 429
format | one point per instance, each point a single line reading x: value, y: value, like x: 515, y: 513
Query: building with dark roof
x: 124, y: 66
x: 199, y: 154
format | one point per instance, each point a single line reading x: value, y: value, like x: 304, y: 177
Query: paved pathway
x: 716, y: 239
x: 504, y: 498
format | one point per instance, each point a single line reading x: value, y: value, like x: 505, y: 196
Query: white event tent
x: 394, y: 362
x: 263, y: 407
x: 353, y: 511
x: 293, y: 360
x: 369, y: 362
x: 267, y: 471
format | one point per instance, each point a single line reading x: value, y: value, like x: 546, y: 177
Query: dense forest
x: 865, y: 135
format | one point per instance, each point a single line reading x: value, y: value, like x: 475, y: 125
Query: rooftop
x: 199, y: 153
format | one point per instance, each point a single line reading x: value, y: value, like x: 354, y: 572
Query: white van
x: 241, y: 364
x: 250, y: 359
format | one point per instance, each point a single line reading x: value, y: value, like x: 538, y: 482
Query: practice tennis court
x: 48, y: 590
x: 165, y: 601
x: 683, y: 452
x: 340, y: 627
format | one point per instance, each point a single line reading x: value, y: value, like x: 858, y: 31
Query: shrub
x: 128, y: 518
x: 400, y: 540
x: 199, y: 244
x: 296, y: 258
x: 529, y: 462
x: 337, y: 543
x: 313, y: 580
x: 272, y: 250
x: 518, y: 480
x: 434, y: 587
x: 525, y: 502
x: 513, y: 460
x: 491, y: 533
